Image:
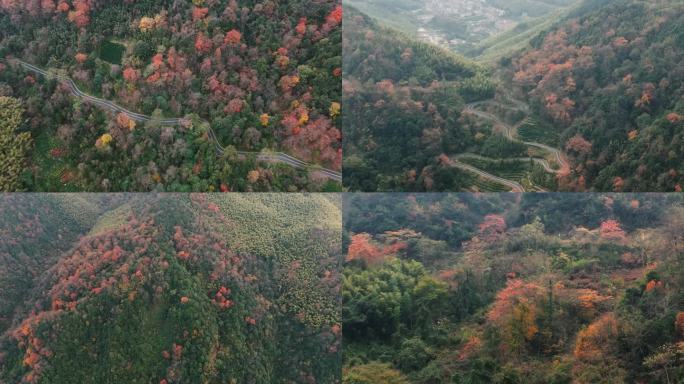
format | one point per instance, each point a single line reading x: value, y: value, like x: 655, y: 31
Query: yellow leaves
x: 294, y: 80
x: 13, y: 144
x: 106, y: 138
x: 525, y: 314
x: 335, y: 108
x: 304, y: 118
x: 264, y: 119
x: 147, y: 24
x: 104, y: 141
x: 253, y: 176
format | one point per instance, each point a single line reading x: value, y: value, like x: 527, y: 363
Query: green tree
x: 374, y: 373
x: 13, y: 145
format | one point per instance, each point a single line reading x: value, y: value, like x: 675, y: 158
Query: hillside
x: 607, y: 81
x: 169, y: 289
x: 402, y: 102
x: 247, y: 75
x: 498, y: 288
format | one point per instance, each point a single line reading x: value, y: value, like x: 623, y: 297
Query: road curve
x: 471, y: 108
x: 274, y: 157
x: 508, y: 131
x: 514, y: 186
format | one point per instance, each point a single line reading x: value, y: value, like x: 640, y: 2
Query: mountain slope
x: 163, y: 292
x: 613, y: 92
x: 402, y: 101
x: 493, y: 288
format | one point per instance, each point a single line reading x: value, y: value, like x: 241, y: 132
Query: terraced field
x: 527, y: 172
x: 536, y: 172
x: 485, y: 185
x: 531, y: 130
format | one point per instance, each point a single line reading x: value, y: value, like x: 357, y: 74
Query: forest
x: 170, y: 288
x: 586, y: 98
x: 513, y: 288
x: 402, y: 101
x: 250, y: 76
x: 609, y: 83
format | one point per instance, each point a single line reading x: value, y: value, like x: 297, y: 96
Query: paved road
x: 275, y: 157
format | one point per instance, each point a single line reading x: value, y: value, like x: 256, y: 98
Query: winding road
x: 513, y: 185
x: 275, y: 157
x: 509, y: 132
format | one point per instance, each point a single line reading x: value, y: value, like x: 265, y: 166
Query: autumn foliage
x: 594, y: 341
x: 363, y: 248
x: 612, y: 230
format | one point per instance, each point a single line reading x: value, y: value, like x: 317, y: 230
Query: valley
x: 582, y: 101
x: 462, y: 26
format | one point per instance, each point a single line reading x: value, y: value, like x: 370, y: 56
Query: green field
x: 485, y: 185
x: 532, y: 130
x: 112, y: 52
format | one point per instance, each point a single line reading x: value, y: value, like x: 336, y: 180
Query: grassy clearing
x: 112, y: 219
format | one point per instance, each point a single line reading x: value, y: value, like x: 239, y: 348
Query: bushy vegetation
x: 166, y: 292
x: 451, y: 288
x: 262, y: 75
x: 13, y: 144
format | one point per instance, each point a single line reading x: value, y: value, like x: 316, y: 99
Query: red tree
x: 233, y: 37
x: 492, y: 227
x: 611, y: 230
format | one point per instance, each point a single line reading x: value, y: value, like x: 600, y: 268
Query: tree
x: 612, y: 230
x: 233, y: 37
x: 665, y: 357
x: 374, y: 373
x: 596, y: 340
x: 492, y: 227
x: 13, y: 145
x: 579, y: 145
